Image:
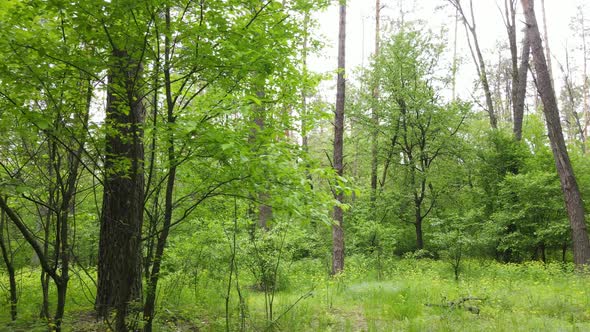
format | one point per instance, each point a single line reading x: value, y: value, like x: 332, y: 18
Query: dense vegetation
x: 171, y: 165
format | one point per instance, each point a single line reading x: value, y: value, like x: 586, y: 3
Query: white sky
x: 361, y: 25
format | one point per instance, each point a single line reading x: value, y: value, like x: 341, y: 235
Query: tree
x: 477, y: 56
x: 374, y: 114
x: 119, y: 259
x: 337, y: 230
x: 423, y: 129
x: 518, y: 73
x: 47, y: 105
x: 226, y: 105
x: 569, y: 186
x: 570, y: 96
x: 579, y: 28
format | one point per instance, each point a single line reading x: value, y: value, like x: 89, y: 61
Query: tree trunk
x: 337, y: 232
x: 154, y: 275
x: 8, y: 261
x: 585, y: 85
x: 547, y: 49
x: 518, y: 73
x: 304, y: 134
x: 62, y: 288
x: 477, y: 56
x: 573, y: 119
x: 569, y: 186
x: 454, y: 68
x: 264, y: 210
x: 483, y: 76
x: 119, y: 260
x: 375, y: 116
x: 44, y: 278
x: 518, y: 107
x: 419, y: 233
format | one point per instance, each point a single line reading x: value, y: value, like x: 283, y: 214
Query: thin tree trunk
x: 569, y: 186
x: 546, y: 38
x: 470, y: 27
x: 518, y: 73
x: 585, y: 85
x: 518, y: 110
x: 577, y: 125
x: 337, y: 231
x: 375, y: 116
x: 154, y: 276
x: 454, y: 83
x: 483, y: 76
x: 7, y: 256
x: 418, y: 226
x: 304, y: 134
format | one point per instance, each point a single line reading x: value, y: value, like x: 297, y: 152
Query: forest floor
x: 397, y: 295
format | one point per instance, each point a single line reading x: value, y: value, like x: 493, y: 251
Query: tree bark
x: 337, y: 231
x: 569, y: 186
x: 119, y: 260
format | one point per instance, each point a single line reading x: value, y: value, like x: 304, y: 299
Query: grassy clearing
x: 411, y: 295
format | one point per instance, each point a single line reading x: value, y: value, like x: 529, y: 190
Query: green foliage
x: 228, y: 96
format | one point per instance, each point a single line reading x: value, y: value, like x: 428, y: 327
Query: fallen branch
x: 463, y: 303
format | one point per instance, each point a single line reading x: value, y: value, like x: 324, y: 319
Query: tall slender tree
x: 518, y: 72
x: 569, y: 185
x: 337, y: 230
x: 546, y: 40
x: 374, y: 114
x: 579, y: 27
x: 469, y: 23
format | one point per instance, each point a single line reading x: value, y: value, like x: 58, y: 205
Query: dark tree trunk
x: 569, y: 186
x: 419, y: 233
x: 418, y: 201
x: 154, y: 274
x: 44, y: 278
x: 337, y: 231
x: 119, y: 260
x: 8, y: 262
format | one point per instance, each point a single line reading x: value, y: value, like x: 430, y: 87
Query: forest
x: 183, y: 165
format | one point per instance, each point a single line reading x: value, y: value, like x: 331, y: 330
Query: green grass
x: 410, y: 296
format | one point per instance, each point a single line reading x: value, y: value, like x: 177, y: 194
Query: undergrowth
x: 405, y: 295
